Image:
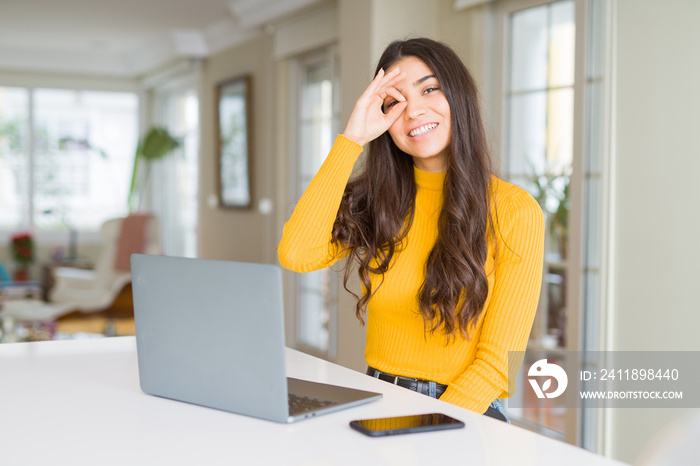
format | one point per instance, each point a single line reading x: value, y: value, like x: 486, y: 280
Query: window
x: 539, y: 136
x: 65, y: 157
x: 554, y: 110
x: 540, y: 98
x: 14, y: 160
x: 317, y: 117
x: 174, y: 184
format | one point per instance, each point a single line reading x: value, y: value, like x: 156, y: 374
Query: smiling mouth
x: 422, y: 129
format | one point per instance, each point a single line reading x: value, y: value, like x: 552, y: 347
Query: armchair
x: 91, y: 291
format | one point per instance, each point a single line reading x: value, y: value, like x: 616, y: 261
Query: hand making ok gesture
x: 367, y: 121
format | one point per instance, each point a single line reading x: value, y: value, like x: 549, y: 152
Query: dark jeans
x: 433, y: 390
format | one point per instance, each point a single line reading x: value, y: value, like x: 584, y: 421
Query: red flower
x: 22, y: 246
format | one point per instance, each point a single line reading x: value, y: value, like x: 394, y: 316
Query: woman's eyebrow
x: 420, y: 81
x: 423, y: 79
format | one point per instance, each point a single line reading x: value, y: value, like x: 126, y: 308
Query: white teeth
x: 422, y: 129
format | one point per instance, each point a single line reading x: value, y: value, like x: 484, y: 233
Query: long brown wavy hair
x: 378, y: 205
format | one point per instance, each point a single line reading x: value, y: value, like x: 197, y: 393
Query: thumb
x: 395, y: 112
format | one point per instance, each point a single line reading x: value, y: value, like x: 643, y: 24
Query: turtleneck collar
x: 427, y: 180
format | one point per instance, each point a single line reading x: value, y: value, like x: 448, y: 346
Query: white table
x: 79, y: 403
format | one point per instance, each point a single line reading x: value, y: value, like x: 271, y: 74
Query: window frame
x: 501, y: 12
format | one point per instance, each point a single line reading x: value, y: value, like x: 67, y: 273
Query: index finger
x: 392, y: 91
x: 389, y: 83
x: 380, y: 83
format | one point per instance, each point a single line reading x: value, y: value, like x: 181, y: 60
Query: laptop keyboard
x: 304, y: 404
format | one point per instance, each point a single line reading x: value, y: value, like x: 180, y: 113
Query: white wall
x: 398, y: 20
x: 238, y: 234
x: 656, y: 232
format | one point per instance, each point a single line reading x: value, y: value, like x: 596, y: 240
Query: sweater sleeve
x: 306, y: 238
x: 511, y: 310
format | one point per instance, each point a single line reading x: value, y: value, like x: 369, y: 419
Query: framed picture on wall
x: 234, y: 130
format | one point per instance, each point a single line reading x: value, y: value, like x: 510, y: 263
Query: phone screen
x: 406, y: 424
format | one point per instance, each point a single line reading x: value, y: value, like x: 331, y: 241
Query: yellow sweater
x: 476, y: 369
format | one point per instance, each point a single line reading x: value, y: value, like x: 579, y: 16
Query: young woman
x: 449, y: 256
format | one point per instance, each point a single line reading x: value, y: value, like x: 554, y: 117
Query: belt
x: 423, y: 386
x: 417, y: 385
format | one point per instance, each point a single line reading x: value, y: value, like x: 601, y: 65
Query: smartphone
x: 406, y: 424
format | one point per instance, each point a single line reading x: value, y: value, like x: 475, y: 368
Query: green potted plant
x: 560, y: 219
x: 154, y: 145
x: 552, y: 193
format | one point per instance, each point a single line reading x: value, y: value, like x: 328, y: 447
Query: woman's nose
x: 414, y: 109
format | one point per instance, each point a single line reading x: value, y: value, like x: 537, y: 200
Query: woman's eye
x: 431, y: 89
x: 388, y: 105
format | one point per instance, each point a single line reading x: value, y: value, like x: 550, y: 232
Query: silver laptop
x: 212, y: 333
